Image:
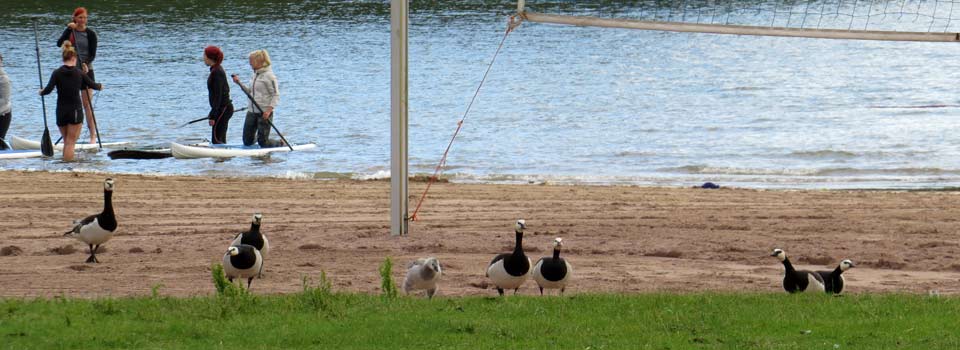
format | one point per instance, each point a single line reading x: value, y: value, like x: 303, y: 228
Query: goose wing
x: 495, y: 259
x: 77, y: 225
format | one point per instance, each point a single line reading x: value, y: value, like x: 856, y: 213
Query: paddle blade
x: 46, y: 145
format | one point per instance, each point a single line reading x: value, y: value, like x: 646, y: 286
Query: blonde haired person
x: 266, y: 92
x: 69, y: 80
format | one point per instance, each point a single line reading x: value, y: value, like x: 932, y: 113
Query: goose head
x: 520, y: 226
x: 779, y: 254
x: 433, y: 264
x: 557, y: 243
x: 233, y: 251
x: 846, y: 264
x: 108, y: 185
x: 257, y: 218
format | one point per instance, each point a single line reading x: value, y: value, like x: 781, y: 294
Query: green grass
x: 318, y: 318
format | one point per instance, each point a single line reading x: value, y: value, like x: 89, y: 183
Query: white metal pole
x: 398, y: 117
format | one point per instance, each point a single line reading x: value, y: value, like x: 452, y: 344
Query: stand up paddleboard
x: 25, y: 144
x: 228, y: 151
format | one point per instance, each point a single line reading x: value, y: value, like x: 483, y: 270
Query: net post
x: 398, y: 118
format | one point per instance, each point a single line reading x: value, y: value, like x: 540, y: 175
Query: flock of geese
x: 246, y: 252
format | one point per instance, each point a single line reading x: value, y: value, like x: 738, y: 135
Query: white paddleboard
x: 22, y: 143
x: 18, y: 154
x: 227, y: 151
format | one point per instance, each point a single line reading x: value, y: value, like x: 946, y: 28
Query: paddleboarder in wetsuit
x: 84, y: 41
x: 221, y: 108
x: 266, y: 93
x: 68, y: 79
x: 6, y: 111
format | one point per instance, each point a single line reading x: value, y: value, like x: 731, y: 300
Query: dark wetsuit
x: 221, y: 108
x: 68, y: 81
x: 86, y: 47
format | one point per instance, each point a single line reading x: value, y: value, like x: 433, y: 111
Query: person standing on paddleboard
x: 218, y: 91
x: 84, y: 41
x: 266, y: 93
x: 69, y: 80
x: 6, y: 109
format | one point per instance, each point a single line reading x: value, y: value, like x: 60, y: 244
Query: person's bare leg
x: 88, y: 108
x: 70, y: 141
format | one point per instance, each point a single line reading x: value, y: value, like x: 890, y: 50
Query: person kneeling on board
x: 266, y: 94
x: 68, y: 79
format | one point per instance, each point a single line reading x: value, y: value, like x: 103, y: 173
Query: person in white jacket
x: 266, y: 93
x: 6, y: 111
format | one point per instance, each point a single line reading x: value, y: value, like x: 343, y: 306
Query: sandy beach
x: 619, y: 239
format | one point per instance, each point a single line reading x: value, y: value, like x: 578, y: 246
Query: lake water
x: 562, y: 104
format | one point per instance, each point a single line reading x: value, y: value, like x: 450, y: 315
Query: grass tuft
x: 387, y: 287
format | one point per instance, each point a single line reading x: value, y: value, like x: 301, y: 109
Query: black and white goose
x: 96, y: 229
x: 510, y: 270
x: 833, y: 280
x: 242, y: 261
x: 423, y: 274
x: 254, y: 237
x: 798, y: 280
x: 553, y: 272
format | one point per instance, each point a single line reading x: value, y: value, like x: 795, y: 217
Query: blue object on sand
x: 710, y: 185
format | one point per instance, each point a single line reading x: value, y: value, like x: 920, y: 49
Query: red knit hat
x: 213, y: 53
x: 78, y: 11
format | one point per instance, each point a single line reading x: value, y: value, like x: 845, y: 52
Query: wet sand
x: 619, y: 239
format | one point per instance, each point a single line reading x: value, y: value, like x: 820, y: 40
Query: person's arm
x: 90, y: 82
x: 274, y: 87
x: 274, y: 90
x: 236, y: 79
x: 92, y: 41
x: 64, y: 37
x: 53, y: 82
x: 4, y: 92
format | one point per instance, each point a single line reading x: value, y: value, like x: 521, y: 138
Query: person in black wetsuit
x: 84, y: 41
x: 68, y: 79
x: 221, y: 108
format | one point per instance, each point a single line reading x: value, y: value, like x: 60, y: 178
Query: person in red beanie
x: 221, y: 108
x: 84, y: 41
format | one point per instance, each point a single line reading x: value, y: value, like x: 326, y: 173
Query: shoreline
x: 627, y: 239
x: 424, y: 177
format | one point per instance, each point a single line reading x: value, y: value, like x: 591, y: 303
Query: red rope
x: 511, y: 24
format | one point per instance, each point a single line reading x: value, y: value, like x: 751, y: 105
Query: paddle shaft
x: 45, y: 139
x: 205, y: 118
x: 93, y: 117
x: 255, y: 104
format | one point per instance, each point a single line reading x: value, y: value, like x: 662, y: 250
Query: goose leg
x: 516, y: 290
x: 249, y: 280
x: 93, y: 256
x: 541, y: 291
x: 500, y: 290
x: 430, y: 293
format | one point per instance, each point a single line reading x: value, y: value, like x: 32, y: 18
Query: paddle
x: 96, y: 126
x: 255, y: 104
x: 46, y: 146
x: 205, y: 118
